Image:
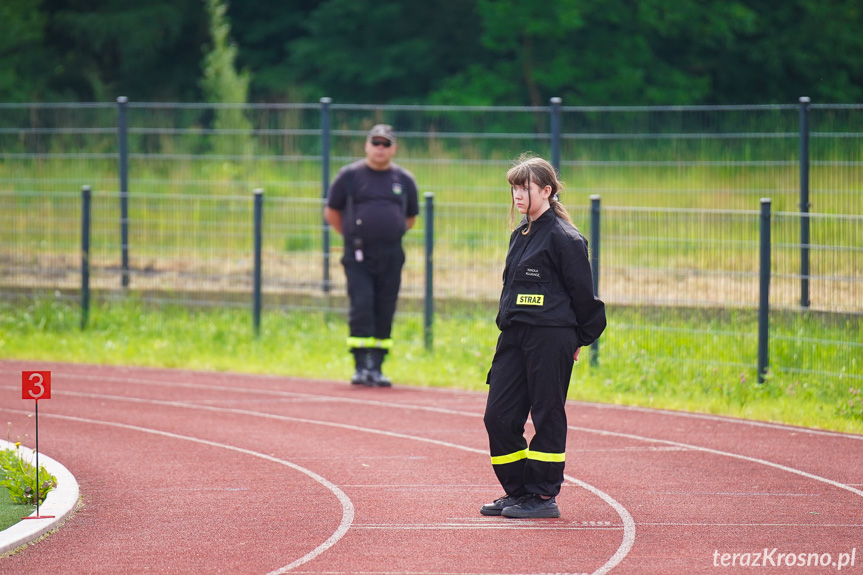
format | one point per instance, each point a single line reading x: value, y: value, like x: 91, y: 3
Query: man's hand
x: 334, y: 218
x: 575, y: 355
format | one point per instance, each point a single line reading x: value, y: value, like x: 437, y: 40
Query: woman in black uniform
x: 547, y: 312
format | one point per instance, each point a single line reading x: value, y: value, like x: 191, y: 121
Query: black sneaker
x: 532, y: 507
x: 497, y: 506
x: 361, y: 377
x: 378, y: 379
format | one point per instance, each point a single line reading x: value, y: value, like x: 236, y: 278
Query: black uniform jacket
x: 382, y: 200
x: 547, y: 280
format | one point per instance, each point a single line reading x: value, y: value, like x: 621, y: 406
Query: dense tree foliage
x: 23, y: 51
x: 504, y: 52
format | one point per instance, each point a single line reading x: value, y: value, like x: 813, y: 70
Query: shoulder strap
x: 397, y: 181
x: 350, y: 176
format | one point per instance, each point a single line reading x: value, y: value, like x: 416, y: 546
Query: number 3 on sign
x: 36, y: 385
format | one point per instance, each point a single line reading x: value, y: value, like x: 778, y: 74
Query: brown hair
x: 529, y: 168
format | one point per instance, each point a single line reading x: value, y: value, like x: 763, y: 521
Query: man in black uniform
x: 372, y: 203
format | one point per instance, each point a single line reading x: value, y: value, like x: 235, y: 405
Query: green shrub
x: 19, y: 478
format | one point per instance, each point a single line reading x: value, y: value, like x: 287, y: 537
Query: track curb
x: 60, y: 503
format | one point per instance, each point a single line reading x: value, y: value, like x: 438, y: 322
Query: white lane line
x: 185, y: 404
x: 724, y: 454
x: 422, y: 486
x: 736, y: 493
x: 626, y: 544
x: 789, y: 429
x: 500, y: 526
x: 719, y: 418
x: 421, y: 573
x: 628, y: 523
x: 606, y: 406
x: 808, y: 525
x: 628, y: 528
x: 344, y: 500
x: 631, y: 448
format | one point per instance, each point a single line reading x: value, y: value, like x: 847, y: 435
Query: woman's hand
x: 575, y: 355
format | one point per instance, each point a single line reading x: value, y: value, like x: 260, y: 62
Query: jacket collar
x: 546, y: 217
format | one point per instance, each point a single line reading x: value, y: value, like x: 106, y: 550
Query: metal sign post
x: 36, y: 385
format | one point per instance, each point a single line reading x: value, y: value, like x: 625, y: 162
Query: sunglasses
x: 384, y: 143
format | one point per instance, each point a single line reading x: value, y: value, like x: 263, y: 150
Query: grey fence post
x: 325, y: 186
x: 256, y: 282
x: 555, y: 133
x: 764, y: 291
x: 594, y: 263
x: 804, y: 202
x: 429, y: 249
x: 85, y: 255
x: 123, y: 146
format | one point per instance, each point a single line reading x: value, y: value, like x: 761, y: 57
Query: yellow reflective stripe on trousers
x: 508, y: 458
x: 361, y: 342
x: 369, y: 342
x: 547, y: 457
x: 527, y: 454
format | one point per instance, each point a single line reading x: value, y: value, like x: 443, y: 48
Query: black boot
x: 362, y: 361
x: 377, y: 377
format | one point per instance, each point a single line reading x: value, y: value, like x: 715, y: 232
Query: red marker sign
x: 36, y: 385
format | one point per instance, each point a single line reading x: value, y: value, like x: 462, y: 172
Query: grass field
x: 10, y: 513
x: 686, y: 233
x: 679, y: 228
x: 472, y: 200
x: 681, y: 368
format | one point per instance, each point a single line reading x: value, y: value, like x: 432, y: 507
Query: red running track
x: 192, y: 472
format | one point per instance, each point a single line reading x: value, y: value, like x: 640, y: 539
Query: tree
x: 222, y: 84
x: 24, y: 61
x: 794, y: 48
x: 264, y: 31
x: 591, y: 52
x: 608, y: 52
x: 108, y: 48
x: 614, y: 52
x: 395, y: 51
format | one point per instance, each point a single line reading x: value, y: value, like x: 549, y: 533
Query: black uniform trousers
x: 530, y: 373
x: 373, y: 290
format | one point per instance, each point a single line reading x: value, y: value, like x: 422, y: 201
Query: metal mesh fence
x: 836, y: 171
x: 836, y: 259
x: 40, y: 241
x: 679, y: 224
x: 683, y: 257
x: 686, y: 157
